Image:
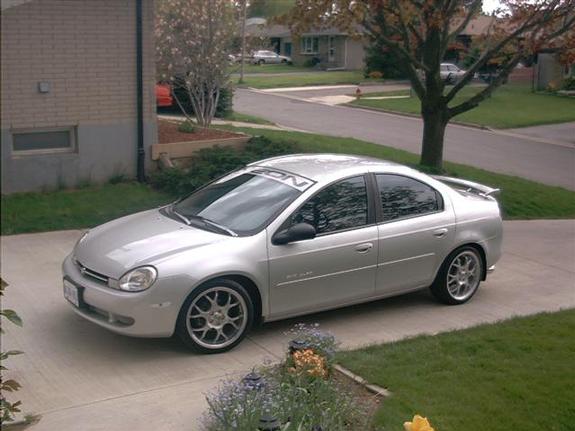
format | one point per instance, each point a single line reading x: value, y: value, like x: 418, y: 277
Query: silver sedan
x: 279, y: 238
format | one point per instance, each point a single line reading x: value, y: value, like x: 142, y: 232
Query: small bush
x: 376, y: 74
x: 210, y: 163
x: 569, y: 84
x: 225, y: 105
x: 187, y: 127
x: 311, y: 62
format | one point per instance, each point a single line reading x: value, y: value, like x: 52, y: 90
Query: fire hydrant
x: 358, y: 93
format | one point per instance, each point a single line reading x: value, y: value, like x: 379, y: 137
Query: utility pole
x: 243, y: 54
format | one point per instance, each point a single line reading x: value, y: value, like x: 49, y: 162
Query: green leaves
x: 12, y: 316
x: 7, y: 408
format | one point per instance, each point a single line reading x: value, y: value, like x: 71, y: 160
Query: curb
x: 410, y: 115
x: 377, y: 390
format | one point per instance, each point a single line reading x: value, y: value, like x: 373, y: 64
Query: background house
x: 69, y: 91
x: 331, y: 48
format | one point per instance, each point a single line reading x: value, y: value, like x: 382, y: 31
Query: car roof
x: 327, y: 167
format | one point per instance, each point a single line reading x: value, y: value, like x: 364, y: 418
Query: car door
x: 339, y: 264
x: 416, y: 233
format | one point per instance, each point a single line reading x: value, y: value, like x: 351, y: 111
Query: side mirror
x: 297, y: 232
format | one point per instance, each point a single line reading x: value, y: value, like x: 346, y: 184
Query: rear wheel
x: 215, y: 317
x: 459, y: 276
x: 260, y: 62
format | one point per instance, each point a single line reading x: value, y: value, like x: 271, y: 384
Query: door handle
x: 363, y: 248
x: 440, y: 233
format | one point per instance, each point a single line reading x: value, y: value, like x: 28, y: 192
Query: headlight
x: 138, y: 279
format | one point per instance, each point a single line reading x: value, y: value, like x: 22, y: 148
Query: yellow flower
x: 418, y: 424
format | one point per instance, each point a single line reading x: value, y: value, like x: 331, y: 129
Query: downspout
x: 140, y: 155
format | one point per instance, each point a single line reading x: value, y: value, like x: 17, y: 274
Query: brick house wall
x: 84, y: 51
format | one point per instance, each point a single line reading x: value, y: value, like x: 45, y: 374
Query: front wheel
x: 459, y: 276
x: 215, y: 317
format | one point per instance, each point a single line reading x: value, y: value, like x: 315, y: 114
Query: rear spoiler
x: 468, y: 186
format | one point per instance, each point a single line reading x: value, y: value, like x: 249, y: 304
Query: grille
x: 88, y: 273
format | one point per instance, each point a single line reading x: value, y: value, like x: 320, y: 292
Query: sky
x: 490, y: 5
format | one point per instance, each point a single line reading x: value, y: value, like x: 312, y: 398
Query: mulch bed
x: 168, y: 133
x: 367, y: 402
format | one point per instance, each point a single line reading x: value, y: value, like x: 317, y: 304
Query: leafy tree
x: 419, y: 32
x: 269, y: 8
x: 193, y: 43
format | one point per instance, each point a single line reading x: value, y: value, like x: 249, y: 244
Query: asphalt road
x: 548, y: 162
x: 79, y: 376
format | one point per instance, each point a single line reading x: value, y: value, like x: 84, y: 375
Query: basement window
x: 44, y: 141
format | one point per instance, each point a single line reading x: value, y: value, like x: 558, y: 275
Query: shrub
x: 8, y: 408
x: 376, y: 74
x: 311, y: 62
x: 569, y: 84
x: 210, y: 163
x: 225, y: 102
x: 187, y: 127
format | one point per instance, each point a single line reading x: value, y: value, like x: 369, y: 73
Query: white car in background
x: 450, y: 73
x: 269, y: 57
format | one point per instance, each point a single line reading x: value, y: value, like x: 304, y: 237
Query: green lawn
x: 71, y: 209
x: 90, y: 206
x: 510, y: 106
x: 520, y: 198
x: 246, y: 118
x: 514, y: 375
x: 269, y: 68
x: 305, y: 79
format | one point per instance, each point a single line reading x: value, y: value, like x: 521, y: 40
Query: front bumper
x: 151, y: 313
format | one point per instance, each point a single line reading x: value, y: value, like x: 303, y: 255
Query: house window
x: 45, y: 141
x: 309, y: 45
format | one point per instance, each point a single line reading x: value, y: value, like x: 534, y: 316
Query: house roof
x: 478, y: 26
x: 258, y: 26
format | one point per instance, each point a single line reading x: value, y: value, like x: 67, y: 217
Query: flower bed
x: 300, y: 393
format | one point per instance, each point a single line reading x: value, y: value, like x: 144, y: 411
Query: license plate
x: 71, y: 293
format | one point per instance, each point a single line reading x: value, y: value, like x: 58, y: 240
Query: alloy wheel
x: 464, y: 275
x: 217, y: 317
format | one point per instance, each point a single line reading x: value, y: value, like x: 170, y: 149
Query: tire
x: 215, y: 317
x: 260, y: 62
x: 459, y: 276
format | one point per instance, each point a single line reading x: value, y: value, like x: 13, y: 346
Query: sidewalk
x: 82, y: 377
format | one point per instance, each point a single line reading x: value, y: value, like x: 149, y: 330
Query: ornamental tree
x: 193, y: 43
x: 418, y: 34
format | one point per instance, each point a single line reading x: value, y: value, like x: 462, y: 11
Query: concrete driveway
x: 508, y: 153
x: 82, y: 377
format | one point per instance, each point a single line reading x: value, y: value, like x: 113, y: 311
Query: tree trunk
x: 434, y: 122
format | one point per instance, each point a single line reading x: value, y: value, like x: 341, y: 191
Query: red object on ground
x: 164, y: 95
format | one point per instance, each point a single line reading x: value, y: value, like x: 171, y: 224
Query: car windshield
x: 242, y: 204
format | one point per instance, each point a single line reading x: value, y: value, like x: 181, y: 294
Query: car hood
x: 139, y: 239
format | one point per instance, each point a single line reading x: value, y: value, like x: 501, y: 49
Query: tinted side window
x: 340, y: 206
x: 405, y: 197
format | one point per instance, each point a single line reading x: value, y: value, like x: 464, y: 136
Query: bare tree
x: 193, y: 43
x: 418, y: 33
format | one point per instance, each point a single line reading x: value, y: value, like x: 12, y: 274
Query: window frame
x: 73, y: 139
x: 379, y: 206
x: 303, y: 45
x: 371, y: 207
